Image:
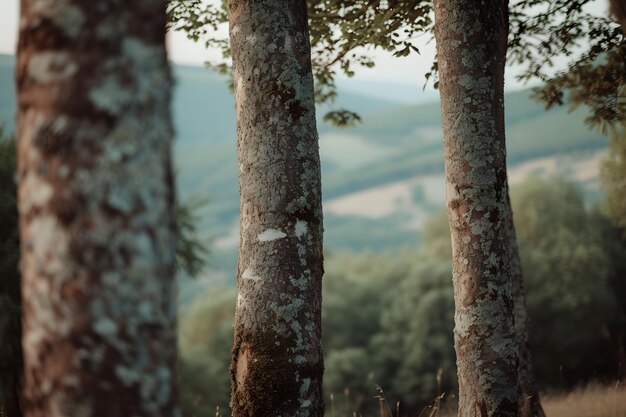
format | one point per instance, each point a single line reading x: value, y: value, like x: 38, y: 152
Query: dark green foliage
x: 205, y: 338
x: 199, y: 21
x: 342, y: 31
x: 10, y: 316
x: 568, y: 280
x: 351, y: 370
x: 542, y: 31
x: 339, y: 32
x: 416, y: 337
x: 614, y: 247
x: 436, y: 237
x: 388, y: 317
x: 191, y: 251
x: 342, y: 118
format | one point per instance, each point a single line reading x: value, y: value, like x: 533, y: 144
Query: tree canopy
x: 542, y: 33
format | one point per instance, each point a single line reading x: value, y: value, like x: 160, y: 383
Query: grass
x: 594, y: 400
x: 590, y: 401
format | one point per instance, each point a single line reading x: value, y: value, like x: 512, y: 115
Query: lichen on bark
x: 95, y: 201
x: 276, y: 369
x: 471, y: 44
x: 529, y: 401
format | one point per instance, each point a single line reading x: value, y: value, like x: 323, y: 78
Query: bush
x: 388, y: 317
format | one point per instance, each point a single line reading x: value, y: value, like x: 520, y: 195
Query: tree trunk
x: 95, y: 203
x: 617, y: 9
x: 276, y: 367
x: 471, y: 42
x: 529, y: 403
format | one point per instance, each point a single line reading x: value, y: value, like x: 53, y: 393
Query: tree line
x: 97, y: 202
x: 388, y: 316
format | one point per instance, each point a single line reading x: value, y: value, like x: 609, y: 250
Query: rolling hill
x: 393, y: 160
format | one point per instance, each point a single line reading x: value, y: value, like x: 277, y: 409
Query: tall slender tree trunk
x: 529, y: 401
x: 95, y: 204
x: 276, y: 367
x: 471, y: 43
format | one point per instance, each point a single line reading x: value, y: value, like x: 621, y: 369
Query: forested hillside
x: 394, y: 158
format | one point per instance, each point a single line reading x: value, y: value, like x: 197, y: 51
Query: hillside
x: 203, y: 106
x: 381, y: 180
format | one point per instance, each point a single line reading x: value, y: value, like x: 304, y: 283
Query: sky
x: 184, y: 51
x: 409, y: 70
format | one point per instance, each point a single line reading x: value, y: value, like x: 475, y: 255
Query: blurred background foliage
x: 10, y: 316
x: 388, y: 316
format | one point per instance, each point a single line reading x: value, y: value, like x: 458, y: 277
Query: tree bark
x: 617, y: 9
x: 471, y: 42
x: 529, y: 400
x: 95, y: 204
x: 276, y: 367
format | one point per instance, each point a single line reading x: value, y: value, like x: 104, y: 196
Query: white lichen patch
x: 109, y: 95
x: 60, y: 124
x: 32, y: 342
x: 288, y: 43
x: 270, y: 234
x: 146, y: 310
x: 303, y: 282
x: 145, y: 257
x: 105, y: 327
x: 128, y: 376
x: 302, y: 254
x: 304, y: 392
x: 482, y: 225
x: 304, y: 388
x: 301, y: 228
x: 250, y: 274
x: 64, y: 171
x: 51, y: 67
x: 35, y: 192
x: 143, y: 58
x: 50, y: 245
x: 67, y: 16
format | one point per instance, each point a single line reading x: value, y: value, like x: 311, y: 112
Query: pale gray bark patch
x: 471, y: 43
x: 276, y: 368
x: 95, y: 202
